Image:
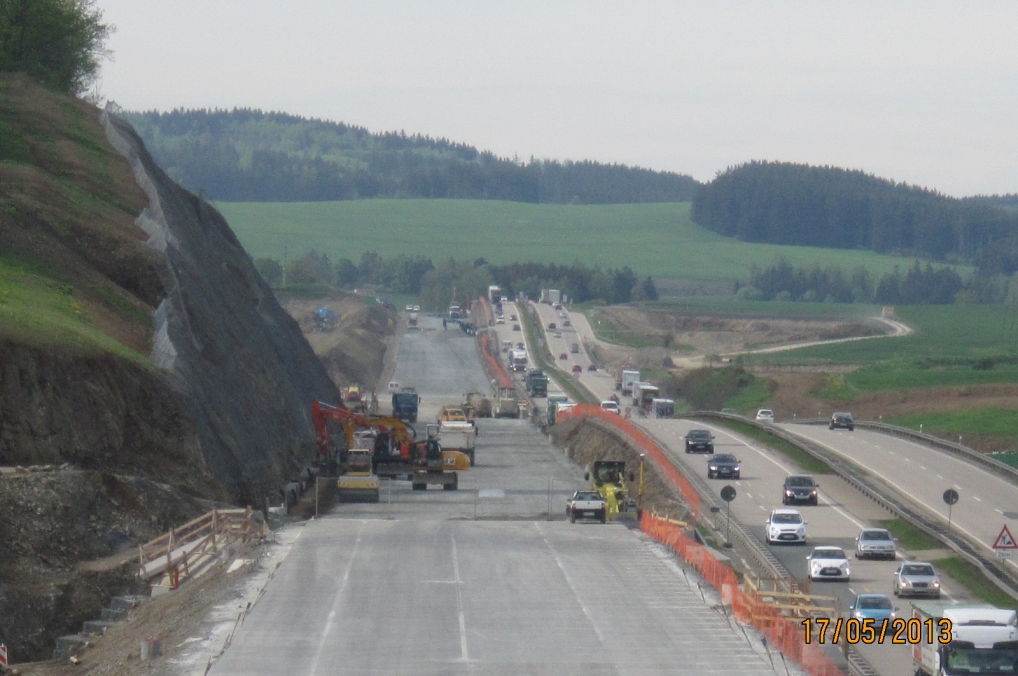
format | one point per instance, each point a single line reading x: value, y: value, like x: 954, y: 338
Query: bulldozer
x: 608, y: 477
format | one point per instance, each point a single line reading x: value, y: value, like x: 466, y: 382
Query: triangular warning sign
x: 1005, y: 540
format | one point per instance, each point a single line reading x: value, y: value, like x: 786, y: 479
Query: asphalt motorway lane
x: 987, y: 503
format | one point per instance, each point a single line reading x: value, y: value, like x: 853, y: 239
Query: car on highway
x: 875, y: 543
x: 516, y: 327
x: 916, y: 579
x: 877, y: 607
x: 575, y: 348
x: 566, y: 322
x: 409, y: 308
x: 500, y: 320
x: 699, y: 441
x: 765, y: 415
x: 587, y: 505
x: 520, y: 346
x: 417, y: 308
x: 799, y: 488
x: 785, y: 525
x: 563, y: 314
x: 841, y: 420
x: 609, y: 405
x: 729, y: 411
x: 577, y: 368
x: 828, y: 563
x: 563, y: 356
x: 592, y: 367
x: 724, y: 465
x: 551, y: 327
x: 512, y: 318
x: 558, y: 334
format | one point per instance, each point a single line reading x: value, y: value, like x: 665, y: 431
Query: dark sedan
x: 724, y: 465
x: 699, y: 441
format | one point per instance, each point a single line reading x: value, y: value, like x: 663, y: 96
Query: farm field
x: 657, y: 239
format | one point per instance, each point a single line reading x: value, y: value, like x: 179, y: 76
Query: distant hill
x: 249, y: 155
x: 783, y: 203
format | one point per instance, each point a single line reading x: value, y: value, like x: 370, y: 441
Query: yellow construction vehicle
x: 608, y: 477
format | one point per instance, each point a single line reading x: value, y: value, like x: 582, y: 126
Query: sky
x: 922, y: 92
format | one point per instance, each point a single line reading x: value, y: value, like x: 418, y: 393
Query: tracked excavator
x: 608, y: 477
x: 392, y: 449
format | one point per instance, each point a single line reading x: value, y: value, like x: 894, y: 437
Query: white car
x: 765, y: 415
x: 409, y: 308
x: 828, y: 563
x: 610, y: 405
x: 417, y: 308
x: 785, y: 525
x: 875, y: 543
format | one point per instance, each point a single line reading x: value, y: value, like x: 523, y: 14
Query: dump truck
x: 537, y: 383
x: 505, y: 404
x: 458, y: 435
x: 405, y: 404
x: 608, y: 477
x: 981, y: 639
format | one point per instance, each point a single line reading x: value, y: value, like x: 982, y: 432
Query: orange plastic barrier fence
x: 503, y: 378
x: 643, y: 440
x: 783, y: 633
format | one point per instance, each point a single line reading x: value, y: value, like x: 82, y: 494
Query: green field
x: 653, y: 239
x: 997, y: 422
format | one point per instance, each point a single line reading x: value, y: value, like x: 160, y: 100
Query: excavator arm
x: 322, y: 412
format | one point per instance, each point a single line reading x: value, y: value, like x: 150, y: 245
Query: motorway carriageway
x: 918, y: 472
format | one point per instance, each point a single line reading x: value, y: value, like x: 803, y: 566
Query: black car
x: 723, y: 465
x: 842, y: 420
x: 799, y: 488
x: 699, y: 441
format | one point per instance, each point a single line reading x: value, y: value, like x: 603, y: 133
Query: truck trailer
x: 980, y: 639
x: 629, y: 378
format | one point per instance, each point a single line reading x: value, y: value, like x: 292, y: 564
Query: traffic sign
x: 951, y: 496
x: 3, y: 655
x: 1005, y: 554
x: 1005, y: 540
x: 727, y: 493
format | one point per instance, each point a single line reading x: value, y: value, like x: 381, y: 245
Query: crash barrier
x: 496, y: 366
x: 644, y: 442
x: 175, y: 553
x: 782, y: 633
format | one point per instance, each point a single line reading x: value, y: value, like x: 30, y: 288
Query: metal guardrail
x: 857, y: 478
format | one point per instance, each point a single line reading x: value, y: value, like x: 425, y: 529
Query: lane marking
x: 464, y: 655
x: 939, y: 476
x: 572, y: 586
x: 977, y: 498
x: 339, y: 597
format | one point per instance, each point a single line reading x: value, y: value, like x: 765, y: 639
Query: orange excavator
x: 393, y: 448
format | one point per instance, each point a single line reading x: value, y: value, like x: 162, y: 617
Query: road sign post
x: 728, y: 494
x: 951, y: 498
x: 1005, y: 544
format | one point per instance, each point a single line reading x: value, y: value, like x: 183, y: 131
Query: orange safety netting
x: 783, y: 633
x: 643, y: 440
x: 503, y: 378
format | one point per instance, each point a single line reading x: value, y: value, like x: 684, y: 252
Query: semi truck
x: 644, y: 395
x: 628, y: 379
x: 405, y: 403
x: 411, y: 322
x: 981, y: 639
x: 494, y: 294
x: 537, y: 383
x: 518, y: 360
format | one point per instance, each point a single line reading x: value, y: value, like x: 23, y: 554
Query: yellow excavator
x: 608, y: 477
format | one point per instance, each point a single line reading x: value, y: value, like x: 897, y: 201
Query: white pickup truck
x: 587, y: 505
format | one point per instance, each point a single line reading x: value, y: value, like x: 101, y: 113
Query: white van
x: 393, y: 387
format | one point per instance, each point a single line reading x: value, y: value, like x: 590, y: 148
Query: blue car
x: 873, y: 606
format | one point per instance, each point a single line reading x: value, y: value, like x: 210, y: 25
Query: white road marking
x: 569, y: 581
x: 464, y: 655
x: 339, y: 598
x: 998, y: 511
x: 921, y: 467
x: 977, y: 499
x: 939, y: 477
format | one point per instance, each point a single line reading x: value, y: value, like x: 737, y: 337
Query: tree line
x: 784, y: 203
x: 251, y: 155
x: 918, y: 285
x: 434, y: 283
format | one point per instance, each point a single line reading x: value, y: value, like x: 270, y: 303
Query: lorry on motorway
x: 454, y: 311
x: 411, y: 322
x: 663, y: 408
x: 551, y: 296
x: 627, y: 380
x: 405, y: 403
x: 537, y: 383
x: 554, y: 401
x: 608, y: 477
x: 505, y: 404
x: 644, y: 395
x: 458, y: 435
x: 518, y: 360
x: 983, y: 639
x: 495, y: 294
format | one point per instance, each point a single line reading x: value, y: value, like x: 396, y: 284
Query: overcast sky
x: 923, y: 92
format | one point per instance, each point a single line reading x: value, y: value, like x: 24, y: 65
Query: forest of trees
x: 434, y: 282
x: 57, y: 42
x: 918, y: 285
x: 250, y: 155
x: 783, y: 203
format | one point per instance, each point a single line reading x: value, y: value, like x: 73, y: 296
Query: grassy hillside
x: 653, y: 239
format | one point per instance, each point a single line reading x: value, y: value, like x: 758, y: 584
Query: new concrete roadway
x: 489, y: 579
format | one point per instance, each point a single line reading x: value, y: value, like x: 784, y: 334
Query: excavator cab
x: 608, y: 477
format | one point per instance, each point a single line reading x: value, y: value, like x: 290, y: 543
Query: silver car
x: 916, y: 579
x: 765, y: 415
x: 875, y: 543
